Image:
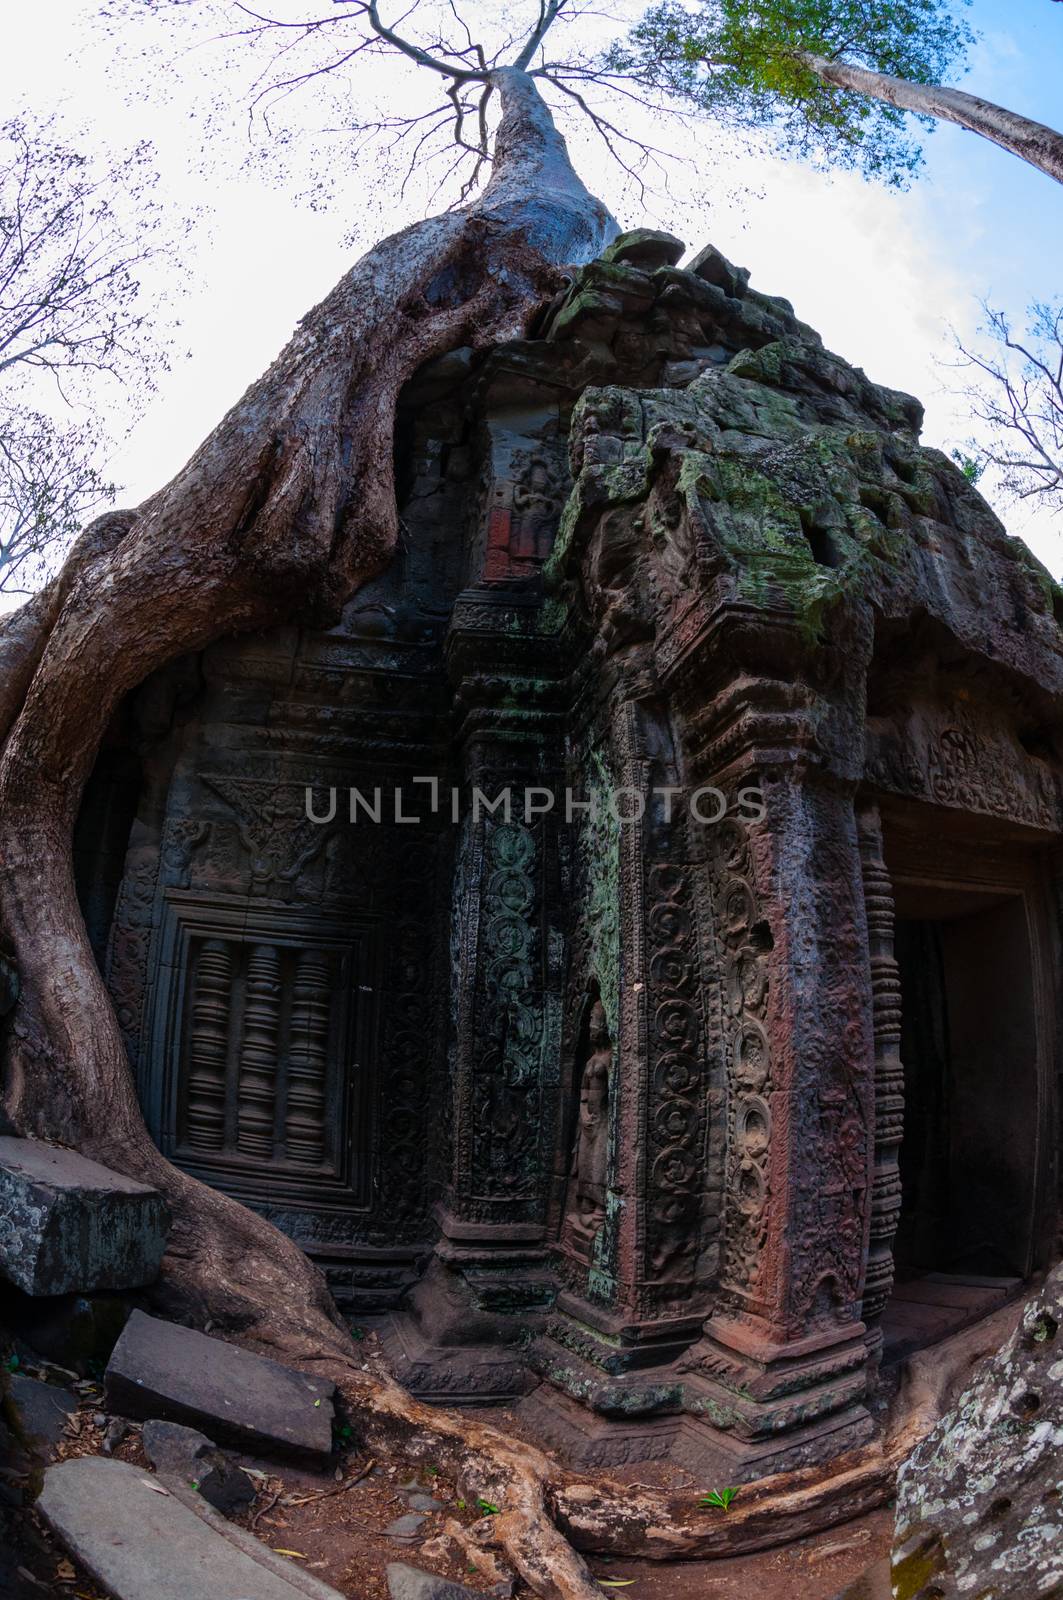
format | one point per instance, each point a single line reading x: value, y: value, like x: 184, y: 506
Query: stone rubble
x: 410, y: 1583
x: 183, y: 1453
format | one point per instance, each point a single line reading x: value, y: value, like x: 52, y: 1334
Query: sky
x: 882, y: 275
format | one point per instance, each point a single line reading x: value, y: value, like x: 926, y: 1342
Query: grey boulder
x: 979, y: 1510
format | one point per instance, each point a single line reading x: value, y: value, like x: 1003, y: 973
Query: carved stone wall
x: 280, y: 976
x: 611, y: 1094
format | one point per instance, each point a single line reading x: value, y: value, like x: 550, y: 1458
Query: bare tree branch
x: 1015, y: 390
x: 75, y: 238
x: 548, y: 11
x: 407, y: 48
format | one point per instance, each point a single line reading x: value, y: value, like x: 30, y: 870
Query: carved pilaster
x: 258, y: 1053
x: 487, y: 1284
x: 889, y: 1073
x: 784, y: 1351
x: 208, y: 1047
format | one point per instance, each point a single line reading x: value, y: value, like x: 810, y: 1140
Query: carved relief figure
x: 537, y: 506
x: 590, y: 1155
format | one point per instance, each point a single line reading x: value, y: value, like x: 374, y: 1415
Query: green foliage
x: 487, y: 1507
x: 720, y: 1498
x: 970, y: 466
x: 740, y: 62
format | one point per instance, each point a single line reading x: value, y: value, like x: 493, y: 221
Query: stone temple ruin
x: 673, y: 1130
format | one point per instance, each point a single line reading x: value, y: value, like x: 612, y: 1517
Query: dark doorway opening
x: 969, y: 1047
x: 973, y: 1043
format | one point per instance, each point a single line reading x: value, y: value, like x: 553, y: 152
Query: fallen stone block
x: 179, y: 1452
x: 160, y: 1370
x: 142, y: 1541
x: 410, y: 1583
x: 66, y: 1223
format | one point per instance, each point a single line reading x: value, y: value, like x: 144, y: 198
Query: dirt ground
x: 334, y: 1526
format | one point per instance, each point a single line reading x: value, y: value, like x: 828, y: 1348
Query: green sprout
x: 719, y: 1497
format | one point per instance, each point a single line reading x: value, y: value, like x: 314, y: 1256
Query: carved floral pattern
x: 506, y: 1079
x: 676, y: 1067
x: 749, y: 1078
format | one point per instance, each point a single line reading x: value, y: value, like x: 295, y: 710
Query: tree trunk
x: 284, y: 510
x: 1041, y: 146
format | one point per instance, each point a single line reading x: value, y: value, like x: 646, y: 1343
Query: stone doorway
x: 973, y: 948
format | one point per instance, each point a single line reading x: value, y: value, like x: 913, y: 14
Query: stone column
x: 635, y: 1290
x: 487, y: 1285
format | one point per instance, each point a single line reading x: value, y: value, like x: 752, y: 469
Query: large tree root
x: 233, y: 1269
x: 280, y: 514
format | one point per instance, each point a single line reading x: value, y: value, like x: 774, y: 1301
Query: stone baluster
x: 304, y: 1129
x: 208, y: 1048
x: 258, y: 1053
x: 889, y: 1074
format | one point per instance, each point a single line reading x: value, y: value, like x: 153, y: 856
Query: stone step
x: 142, y: 1544
x: 67, y: 1223
x: 160, y: 1370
